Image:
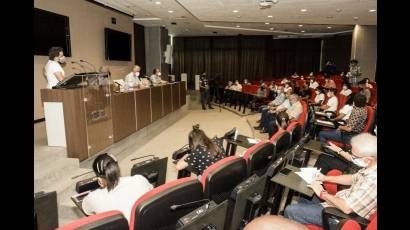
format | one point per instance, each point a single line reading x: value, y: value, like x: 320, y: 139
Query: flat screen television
x: 117, y: 45
x: 51, y: 29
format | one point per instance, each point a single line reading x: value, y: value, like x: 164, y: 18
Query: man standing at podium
x: 53, y: 70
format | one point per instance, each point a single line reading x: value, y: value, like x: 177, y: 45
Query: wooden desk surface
x: 293, y: 181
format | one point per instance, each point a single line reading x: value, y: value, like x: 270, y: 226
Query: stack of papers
x: 253, y: 141
x: 308, y: 174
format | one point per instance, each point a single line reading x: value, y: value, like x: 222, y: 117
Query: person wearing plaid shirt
x: 359, y: 198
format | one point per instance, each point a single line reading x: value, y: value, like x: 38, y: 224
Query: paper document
x: 308, y: 174
x: 326, y: 123
x: 253, y: 141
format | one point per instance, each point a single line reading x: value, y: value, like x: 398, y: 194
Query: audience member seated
x: 229, y: 86
x: 355, y: 123
x: 367, y: 82
x: 332, y: 101
x: 304, y: 92
x: 319, y: 98
x: 204, y: 152
x: 116, y: 192
x: 281, y: 123
x: 246, y: 82
x: 237, y: 86
x: 279, y: 99
x: 295, y: 75
x: 156, y: 77
x: 365, y: 91
x: 284, y: 80
x: 261, y: 92
x: 293, y: 112
x: 346, y: 110
x: 329, y: 83
x: 313, y: 84
x: 132, y: 80
x: 346, y: 91
x: 271, y: 222
x: 360, y: 198
x: 268, y: 115
x: 287, y: 87
x: 310, y: 75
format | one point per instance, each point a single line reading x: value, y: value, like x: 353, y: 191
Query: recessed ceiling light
x: 158, y: 3
x: 372, y: 10
x: 329, y: 27
x: 235, y: 11
x: 355, y: 18
x: 338, y: 10
x: 270, y: 16
x: 271, y: 28
x: 170, y: 11
x: 237, y: 26
x: 302, y: 31
x: 300, y: 25
x: 266, y: 23
x: 303, y: 10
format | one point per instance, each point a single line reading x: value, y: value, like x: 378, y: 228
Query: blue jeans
x: 334, y: 135
x: 306, y: 211
x: 266, y: 122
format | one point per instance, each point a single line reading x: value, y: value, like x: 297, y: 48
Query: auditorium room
x: 205, y: 114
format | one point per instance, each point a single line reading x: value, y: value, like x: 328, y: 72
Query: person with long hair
x: 115, y: 192
x: 204, y: 152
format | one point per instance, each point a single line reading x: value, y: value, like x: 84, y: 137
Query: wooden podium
x: 89, y: 119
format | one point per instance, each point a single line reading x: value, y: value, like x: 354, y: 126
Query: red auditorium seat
x: 355, y: 89
x: 101, y: 221
x: 281, y: 143
x: 367, y: 128
x: 303, y: 118
x: 258, y: 157
x: 373, y: 97
x: 341, y: 101
x: 152, y: 210
x: 295, y: 131
x: 219, y: 179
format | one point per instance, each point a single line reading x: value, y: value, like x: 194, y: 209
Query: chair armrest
x: 330, y: 213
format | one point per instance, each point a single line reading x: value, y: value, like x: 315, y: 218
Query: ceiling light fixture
x: 302, y: 31
x: 300, y: 25
x: 338, y: 10
x: 158, y: 3
x: 170, y: 11
x: 270, y: 16
x: 355, y: 18
x: 329, y: 27
x: 271, y: 28
x: 372, y: 10
x: 266, y: 23
x: 235, y: 11
x: 237, y: 26
x: 303, y: 10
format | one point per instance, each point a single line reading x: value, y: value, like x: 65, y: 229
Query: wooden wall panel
x: 123, y: 115
x: 182, y: 93
x: 167, y: 99
x: 143, y: 108
x: 156, y: 103
x: 175, y: 96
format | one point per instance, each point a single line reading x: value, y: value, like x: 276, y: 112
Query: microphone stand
x: 82, y: 67
x: 95, y: 70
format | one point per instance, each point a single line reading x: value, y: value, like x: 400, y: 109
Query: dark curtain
x: 337, y: 49
x: 239, y: 57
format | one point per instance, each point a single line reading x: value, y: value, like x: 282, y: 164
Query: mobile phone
x: 285, y: 171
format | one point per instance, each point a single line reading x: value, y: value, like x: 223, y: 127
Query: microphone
x: 142, y: 157
x: 189, y: 204
x: 82, y: 67
x: 95, y: 70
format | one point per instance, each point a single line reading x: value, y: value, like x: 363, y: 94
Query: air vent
x: 181, y: 18
x: 146, y: 19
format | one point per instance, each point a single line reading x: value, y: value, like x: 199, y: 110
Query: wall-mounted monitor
x: 51, y: 29
x: 117, y: 45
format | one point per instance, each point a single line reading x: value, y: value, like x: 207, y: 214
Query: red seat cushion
x: 351, y: 225
x: 332, y: 187
x: 252, y: 149
x: 373, y: 223
x: 276, y: 135
x: 313, y: 227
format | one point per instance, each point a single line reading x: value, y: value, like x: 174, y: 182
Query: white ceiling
x: 203, y: 17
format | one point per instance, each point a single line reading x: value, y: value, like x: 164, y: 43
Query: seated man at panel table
x: 116, y: 192
x: 294, y: 111
x: 156, y: 77
x: 229, y: 86
x: 359, y: 198
x: 132, y: 80
x: 246, y: 82
x: 237, y: 86
x: 279, y: 99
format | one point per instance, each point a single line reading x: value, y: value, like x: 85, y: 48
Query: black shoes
x: 203, y: 108
x: 210, y: 107
x: 257, y: 127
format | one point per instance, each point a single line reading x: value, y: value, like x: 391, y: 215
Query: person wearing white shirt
x: 229, y: 86
x: 53, y: 70
x: 237, y: 86
x: 156, y: 77
x: 332, y: 103
x: 132, y: 80
x: 116, y: 192
x: 319, y: 98
x: 313, y: 84
x: 346, y: 91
